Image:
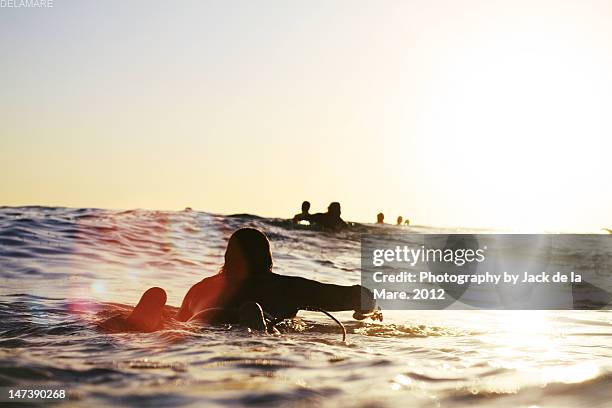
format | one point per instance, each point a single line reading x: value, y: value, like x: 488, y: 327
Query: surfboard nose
x: 153, y: 298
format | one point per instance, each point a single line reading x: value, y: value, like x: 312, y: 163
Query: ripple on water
x: 61, y: 270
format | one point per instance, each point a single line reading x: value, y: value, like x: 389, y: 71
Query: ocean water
x: 63, y: 270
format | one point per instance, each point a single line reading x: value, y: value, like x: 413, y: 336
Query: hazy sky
x: 458, y: 113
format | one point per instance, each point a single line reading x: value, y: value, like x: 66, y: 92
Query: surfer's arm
x: 300, y: 217
x: 183, y: 314
x: 186, y: 312
x: 202, y: 296
x: 332, y: 298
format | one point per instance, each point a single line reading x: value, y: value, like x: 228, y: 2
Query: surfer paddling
x: 246, y: 291
x: 331, y: 219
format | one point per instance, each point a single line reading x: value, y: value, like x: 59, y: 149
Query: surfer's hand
x: 366, y: 299
x: 372, y: 314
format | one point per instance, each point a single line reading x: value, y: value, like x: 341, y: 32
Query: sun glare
x: 520, y: 114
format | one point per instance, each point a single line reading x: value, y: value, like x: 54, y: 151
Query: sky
x: 449, y: 113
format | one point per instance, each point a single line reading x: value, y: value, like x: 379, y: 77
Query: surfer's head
x: 248, y: 253
x: 305, y: 207
x: 334, y: 209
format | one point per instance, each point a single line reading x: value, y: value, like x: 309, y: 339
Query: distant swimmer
x: 247, y: 292
x: 407, y: 222
x: 380, y: 218
x: 399, y: 220
x: 304, y: 215
x: 331, y: 219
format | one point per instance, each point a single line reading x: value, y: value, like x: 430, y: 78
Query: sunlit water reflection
x: 62, y: 269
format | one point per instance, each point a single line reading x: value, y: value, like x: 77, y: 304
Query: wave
x: 64, y: 269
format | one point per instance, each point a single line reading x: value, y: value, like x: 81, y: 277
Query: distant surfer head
x: 334, y: 209
x: 305, y: 207
x: 380, y: 218
x: 248, y: 253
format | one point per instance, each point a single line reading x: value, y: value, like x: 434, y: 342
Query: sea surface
x: 63, y: 270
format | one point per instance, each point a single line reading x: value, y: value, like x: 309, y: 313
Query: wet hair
x: 334, y: 209
x: 250, y: 246
x: 305, y: 206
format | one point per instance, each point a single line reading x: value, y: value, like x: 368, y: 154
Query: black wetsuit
x: 303, y: 216
x: 279, y: 295
x: 327, y: 220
